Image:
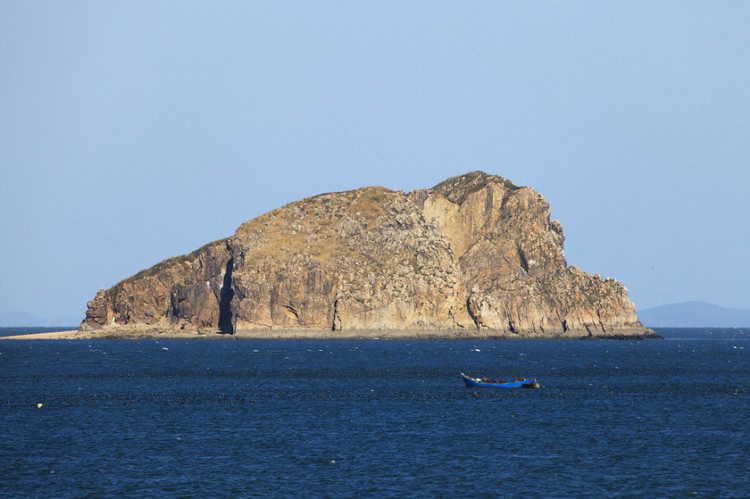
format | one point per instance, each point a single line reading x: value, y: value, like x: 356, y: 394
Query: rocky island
x: 473, y: 257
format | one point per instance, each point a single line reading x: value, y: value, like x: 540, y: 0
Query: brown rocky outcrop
x: 475, y: 256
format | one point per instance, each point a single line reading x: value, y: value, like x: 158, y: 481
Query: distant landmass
x: 22, y: 319
x: 694, y: 314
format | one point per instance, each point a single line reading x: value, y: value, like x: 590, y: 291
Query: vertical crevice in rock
x: 225, y: 301
x: 469, y: 309
x: 522, y: 259
x: 601, y: 322
x: 336, y: 323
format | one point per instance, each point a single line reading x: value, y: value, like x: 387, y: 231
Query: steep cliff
x: 475, y: 256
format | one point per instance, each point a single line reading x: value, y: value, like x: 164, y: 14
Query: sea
x: 376, y: 418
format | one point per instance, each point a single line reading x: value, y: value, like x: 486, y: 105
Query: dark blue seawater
x: 242, y: 418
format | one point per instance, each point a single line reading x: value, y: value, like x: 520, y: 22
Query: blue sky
x: 134, y: 131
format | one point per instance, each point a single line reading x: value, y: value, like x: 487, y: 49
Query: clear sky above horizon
x: 134, y: 131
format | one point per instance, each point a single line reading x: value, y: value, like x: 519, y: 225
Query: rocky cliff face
x: 473, y: 256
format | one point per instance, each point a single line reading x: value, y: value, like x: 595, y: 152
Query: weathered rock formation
x: 475, y: 256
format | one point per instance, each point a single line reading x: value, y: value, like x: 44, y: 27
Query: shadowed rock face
x: 475, y: 255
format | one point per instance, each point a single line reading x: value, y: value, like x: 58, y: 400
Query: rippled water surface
x: 241, y: 418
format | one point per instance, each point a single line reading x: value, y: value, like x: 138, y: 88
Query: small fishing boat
x: 488, y: 383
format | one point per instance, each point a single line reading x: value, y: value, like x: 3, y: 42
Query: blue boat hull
x: 478, y: 383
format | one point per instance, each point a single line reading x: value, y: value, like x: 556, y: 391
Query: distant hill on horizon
x: 22, y: 319
x: 694, y: 314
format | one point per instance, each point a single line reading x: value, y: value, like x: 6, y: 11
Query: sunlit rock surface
x: 475, y: 256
